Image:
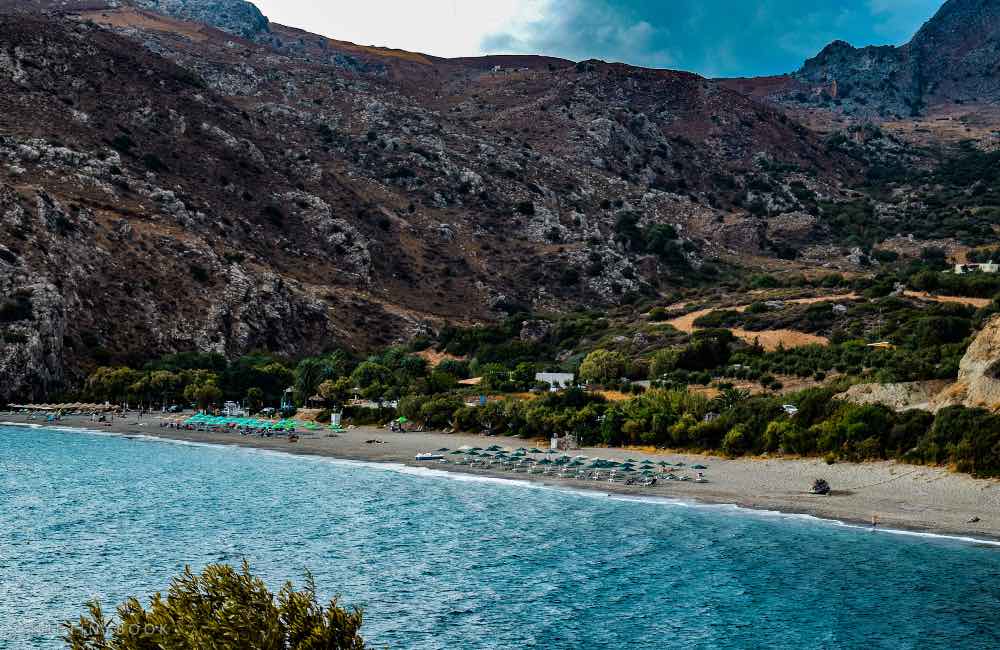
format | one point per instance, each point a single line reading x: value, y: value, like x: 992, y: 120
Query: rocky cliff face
x: 870, y: 80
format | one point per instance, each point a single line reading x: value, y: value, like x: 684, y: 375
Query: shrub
x: 199, y: 273
x: 15, y: 308
x: 154, y: 164
x: 221, y: 608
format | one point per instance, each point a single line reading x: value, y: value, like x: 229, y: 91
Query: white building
x: 555, y: 380
x: 233, y: 410
x: 984, y: 267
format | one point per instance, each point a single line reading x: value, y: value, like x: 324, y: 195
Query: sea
x: 448, y: 561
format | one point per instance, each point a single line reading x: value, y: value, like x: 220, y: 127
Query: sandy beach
x: 908, y: 497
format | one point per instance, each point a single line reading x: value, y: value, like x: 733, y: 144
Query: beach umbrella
x: 698, y: 467
x: 457, y: 452
x: 545, y: 461
x: 535, y: 450
x: 663, y: 463
x: 402, y: 419
x: 442, y: 449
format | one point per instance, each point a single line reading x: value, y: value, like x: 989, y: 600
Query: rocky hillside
x: 185, y: 174
x: 197, y: 177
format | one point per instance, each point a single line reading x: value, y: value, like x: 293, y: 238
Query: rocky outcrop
x: 978, y: 382
x: 899, y: 397
x: 234, y: 16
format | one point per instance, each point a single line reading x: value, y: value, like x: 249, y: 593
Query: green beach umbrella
x: 402, y: 419
x: 698, y: 467
x: 457, y: 452
x: 442, y: 449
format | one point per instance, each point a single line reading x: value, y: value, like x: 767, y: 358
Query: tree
x: 371, y: 373
x: 664, y: 362
x: 495, y: 376
x: 603, y: 367
x: 111, y: 384
x: 313, y: 371
x: 255, y: 398
x: 203, y: 395
x: 222, y: 609
x: 164, y: 384
x: 454, y: 367
x: 728, y: 398
x: 336, y: 391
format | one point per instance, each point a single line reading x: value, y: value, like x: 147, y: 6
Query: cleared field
x: 768, y: 339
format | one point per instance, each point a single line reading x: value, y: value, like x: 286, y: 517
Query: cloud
x: 898, y: 20
x: 711, y: 37
x: 583, y: 30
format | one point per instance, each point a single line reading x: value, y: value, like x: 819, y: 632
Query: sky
x: 714, y: 38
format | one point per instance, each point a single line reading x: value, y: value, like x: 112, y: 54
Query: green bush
x: 224, y: 609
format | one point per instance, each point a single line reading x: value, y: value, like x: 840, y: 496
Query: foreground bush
x: 221, y: 609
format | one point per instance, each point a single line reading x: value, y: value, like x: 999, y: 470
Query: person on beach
x: 874, y: 522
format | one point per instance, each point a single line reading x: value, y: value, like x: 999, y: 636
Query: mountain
x: 953, y: 59
x: 186, y: 174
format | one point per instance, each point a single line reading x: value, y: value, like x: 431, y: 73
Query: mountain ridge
x: 168, y: 185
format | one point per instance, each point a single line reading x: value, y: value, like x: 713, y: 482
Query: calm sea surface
x: 463, y: 563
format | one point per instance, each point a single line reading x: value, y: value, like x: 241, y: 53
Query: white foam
x: 428, y: 472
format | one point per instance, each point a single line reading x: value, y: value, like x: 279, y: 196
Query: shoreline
x: 907, y: 499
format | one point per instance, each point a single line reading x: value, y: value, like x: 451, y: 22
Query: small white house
x: 555, y: 380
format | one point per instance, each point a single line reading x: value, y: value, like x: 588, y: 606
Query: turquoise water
x: 446, y: 563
